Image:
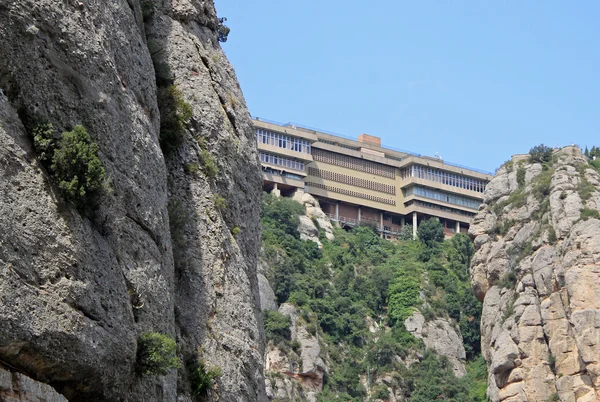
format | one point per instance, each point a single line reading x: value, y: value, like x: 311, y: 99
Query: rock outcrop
x: 308, y: 229
x: 15, y: 387
x: 442, y: 337
x: 537, y: 270
x: 173, y: 247
x: 292, y: 375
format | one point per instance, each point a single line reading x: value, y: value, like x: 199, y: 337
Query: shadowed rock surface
x: 158, y: 253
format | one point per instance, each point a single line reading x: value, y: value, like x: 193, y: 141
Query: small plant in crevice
x: 235, y: 230
x: 509, y: 280
x: 208, y: 164
x: 510, y: 308
x: 156, y: 354
x: 585, y: 189
x: 588, y: 213
x: 191, y: 168
x: 521, y: 176
x: 552, y: 235
x: 175, y: 115
x: 219, y: 202
x: 72, y: 160
x: 552, y: 362
x: 541, y: 184
x: 202, y: 378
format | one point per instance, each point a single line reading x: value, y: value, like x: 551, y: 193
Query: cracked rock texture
x: 442, y: 336
x: 158, y: 254
x: 295, y: 375
x: 537, y: 270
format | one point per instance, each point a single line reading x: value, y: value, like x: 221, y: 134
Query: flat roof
x: 301, y: 130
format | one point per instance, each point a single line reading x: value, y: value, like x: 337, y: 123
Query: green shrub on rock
x: 202, y: 378
x: 175, y: 114
x: 72, y: 160
x: 277, y: 326
x: 156, y: 354
x: 540, y: 153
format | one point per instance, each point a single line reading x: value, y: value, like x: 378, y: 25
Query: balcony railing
x: 354, y: 222
x: 315, y: 130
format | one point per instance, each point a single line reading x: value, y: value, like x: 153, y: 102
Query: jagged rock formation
x: 441, y: 336
x: 295, y: 375
x: 537, y: 270
x: 308, y: 230
x: 158, y: 254
x: 16, y: 387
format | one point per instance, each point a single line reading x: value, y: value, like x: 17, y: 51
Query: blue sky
x: 475, y: 81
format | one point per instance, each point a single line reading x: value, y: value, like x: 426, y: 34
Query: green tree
x: 464, y: 247
x: 277, y: 326
x: 431, y: 232
x: 540, y: 154
x: 77, y: 167
x: 222, y: 30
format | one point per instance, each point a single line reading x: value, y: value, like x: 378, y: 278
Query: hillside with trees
x: 355, y: 295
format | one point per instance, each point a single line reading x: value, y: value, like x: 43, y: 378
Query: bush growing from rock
x: 540, y: 153
x: 277, y: 326
x: 156, y: 354
x: 72, y: 160
x: 202, y: 378
x: 175, y: 114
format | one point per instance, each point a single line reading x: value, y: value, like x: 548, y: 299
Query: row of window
x: 441, y: 208
x: 269, y: 170
x: 278, y: 160
x: 353, y: 181
x: 352, y: 193
x: 282, y: 141
x: 441, y: 176
x: 442, y: 196
x: 351, y: 162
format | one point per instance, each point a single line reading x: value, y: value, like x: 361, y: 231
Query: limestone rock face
x: 291, y: 375
x: 16, y: 387
x: 158, y: 254
x: 441, y: 336
x: 308, y: 230
x: 313, y: 210
x: 537, y: 270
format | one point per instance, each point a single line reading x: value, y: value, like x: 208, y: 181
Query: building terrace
x: 359, y: 181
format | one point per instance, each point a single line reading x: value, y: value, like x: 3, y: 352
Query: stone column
x: 359, y: 213
x: 381, y: 220
x: 276, y: 192
x: 414, y: 226
x: 337, y: 211
x: 402, y: 221
x: 457, y: 227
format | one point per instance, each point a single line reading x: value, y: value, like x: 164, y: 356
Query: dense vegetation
x: 360, y: 276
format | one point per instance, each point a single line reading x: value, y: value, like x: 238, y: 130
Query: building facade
x: 359, y: 181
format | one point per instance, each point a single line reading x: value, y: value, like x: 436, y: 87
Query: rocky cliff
x: 172, y: 246
x: 537, y: 270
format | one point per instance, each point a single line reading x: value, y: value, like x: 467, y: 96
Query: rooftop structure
x: 359, y: 181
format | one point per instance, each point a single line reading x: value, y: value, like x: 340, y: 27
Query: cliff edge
x: 537, y: 270
x: 171, y: 243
